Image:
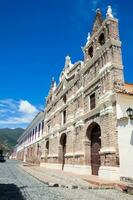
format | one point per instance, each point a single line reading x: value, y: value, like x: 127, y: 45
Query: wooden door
x: 95, y: 148
x: 63, y: 150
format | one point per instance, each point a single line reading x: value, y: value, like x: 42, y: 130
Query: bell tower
x: 103, y: 47
x: 103, y: 68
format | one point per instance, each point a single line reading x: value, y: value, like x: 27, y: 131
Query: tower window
x: 64, y: 116
x: 101, y: 39
x: 90, y: 51
x: 92, y: 101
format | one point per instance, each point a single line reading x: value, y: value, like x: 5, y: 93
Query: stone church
x: 80, y: 114
x: 80, y: 131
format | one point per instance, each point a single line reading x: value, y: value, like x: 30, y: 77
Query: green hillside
x: 8, y: 138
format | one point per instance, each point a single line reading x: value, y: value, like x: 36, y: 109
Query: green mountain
x: 9, y: 137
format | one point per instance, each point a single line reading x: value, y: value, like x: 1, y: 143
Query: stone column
x: 87, y: 152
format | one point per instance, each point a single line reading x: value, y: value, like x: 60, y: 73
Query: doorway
x: 95, y: 149
x: 63, y: 143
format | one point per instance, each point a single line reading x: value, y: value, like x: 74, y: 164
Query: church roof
x: 126, y: 88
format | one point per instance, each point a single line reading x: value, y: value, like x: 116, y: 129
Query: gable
x: 98, y: 21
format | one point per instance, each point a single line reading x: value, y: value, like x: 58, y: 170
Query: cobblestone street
x: 16, y: 184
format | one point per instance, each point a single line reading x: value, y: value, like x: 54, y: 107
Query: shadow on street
x: 10, y: 192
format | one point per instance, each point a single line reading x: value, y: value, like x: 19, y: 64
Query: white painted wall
x: 125, y: 135
x: 123, y: 103
x: 35, y: 122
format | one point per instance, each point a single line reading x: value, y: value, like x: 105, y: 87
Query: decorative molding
x: 72, y: 154
x: 108, y: 150
x: 52, y: 156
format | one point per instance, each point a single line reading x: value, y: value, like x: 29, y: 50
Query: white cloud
x: 18, y: 120
x: 26, y: 107
x: 8, y: 103
x: 16, y: 113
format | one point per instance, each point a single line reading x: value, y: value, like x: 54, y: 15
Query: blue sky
x: 35, y: 37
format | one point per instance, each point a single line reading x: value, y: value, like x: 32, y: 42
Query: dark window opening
x: 42, y: 125
x: 102, y: 39
x: 64, y: 116
x: 35, y: 131
x: 39, y: 128
x: 90, y: 51
x: 92, y: 101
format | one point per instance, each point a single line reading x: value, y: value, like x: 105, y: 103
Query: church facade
x: 80, y: 118
x: 81, y: 111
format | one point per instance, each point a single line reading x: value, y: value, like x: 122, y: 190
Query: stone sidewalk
x: 58, y: 178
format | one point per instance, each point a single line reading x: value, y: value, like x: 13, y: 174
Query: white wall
x: 123, y: 103
x: 125, y: 135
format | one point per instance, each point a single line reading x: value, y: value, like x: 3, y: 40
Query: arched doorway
x: 94, y: 134
x: 63, y: 144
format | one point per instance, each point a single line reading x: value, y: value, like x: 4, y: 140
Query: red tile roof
x: 126, y: 88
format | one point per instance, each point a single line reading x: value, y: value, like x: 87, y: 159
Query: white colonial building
x: 30, y: 143
x: 125, y: 130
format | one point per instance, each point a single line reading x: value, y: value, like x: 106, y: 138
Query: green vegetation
x: 9, y: 137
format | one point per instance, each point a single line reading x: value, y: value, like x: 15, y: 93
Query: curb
x: 94, y: 186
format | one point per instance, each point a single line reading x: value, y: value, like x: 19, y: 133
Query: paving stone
x: 72, y: 186
x: 23, y: 186
x: 53, y: 185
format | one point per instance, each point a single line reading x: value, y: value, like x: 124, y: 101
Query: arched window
x: 92, y: 101
x: 101, y: 39
x: 90, y: 51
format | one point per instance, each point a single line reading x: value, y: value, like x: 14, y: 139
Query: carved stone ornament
x: 109, y: 12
